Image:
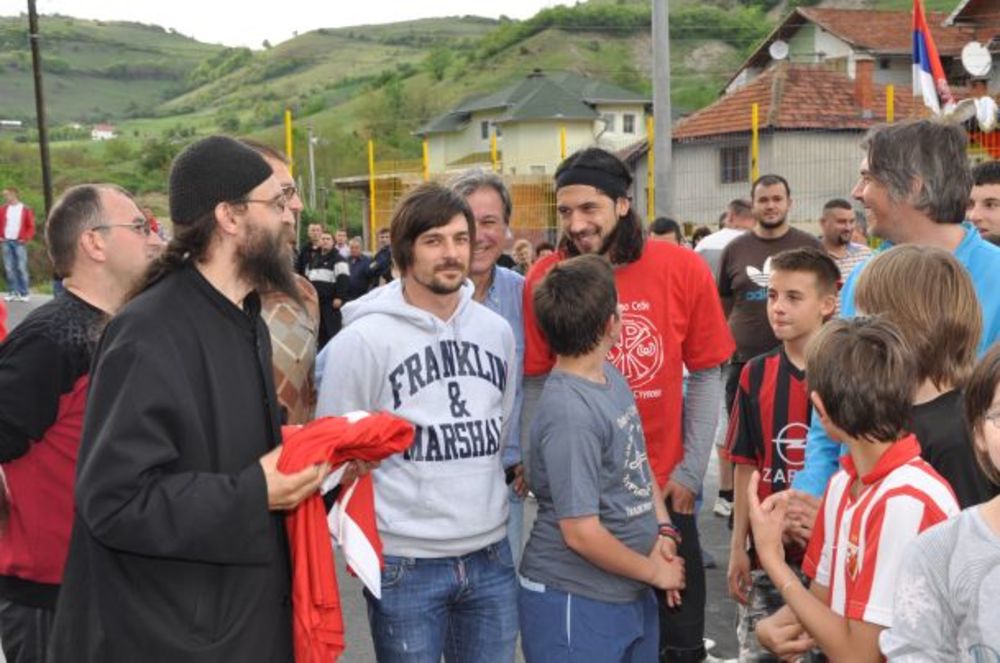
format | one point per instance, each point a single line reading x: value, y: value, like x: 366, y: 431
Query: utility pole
x: 43, y: 131
x: 312, y: 171
x: 663, y: 142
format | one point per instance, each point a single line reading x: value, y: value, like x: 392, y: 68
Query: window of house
x: 609, y: 122
x: 498, y: 130
x: 628, y: 123
x: 734, y: 164
x: 484, y: 130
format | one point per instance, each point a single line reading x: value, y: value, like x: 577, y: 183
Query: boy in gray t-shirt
x: 602, y: 537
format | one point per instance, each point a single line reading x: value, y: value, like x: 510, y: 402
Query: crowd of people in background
x: 850, y: 393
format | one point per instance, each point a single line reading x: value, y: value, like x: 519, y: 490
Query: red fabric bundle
x: 317, y: 622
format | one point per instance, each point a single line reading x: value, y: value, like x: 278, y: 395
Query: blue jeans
x: 15, y: 266
x: 557, y: 627
x: 462, y: 607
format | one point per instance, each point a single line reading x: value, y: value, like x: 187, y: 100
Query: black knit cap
x: 214, y: 170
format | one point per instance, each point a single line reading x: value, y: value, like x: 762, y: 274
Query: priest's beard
x: 265, y: 261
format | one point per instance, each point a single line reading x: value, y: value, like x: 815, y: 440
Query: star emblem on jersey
x: 760, y: 276
x: 853, y: 561
x: 639, y: 352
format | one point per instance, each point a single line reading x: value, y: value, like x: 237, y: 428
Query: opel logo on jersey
x: 791, y: 444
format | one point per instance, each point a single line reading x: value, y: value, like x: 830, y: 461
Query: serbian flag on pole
x: 929, y: 80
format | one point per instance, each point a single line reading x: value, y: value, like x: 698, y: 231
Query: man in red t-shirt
x: 671, y: 318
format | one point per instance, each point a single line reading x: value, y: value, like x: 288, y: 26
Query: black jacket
x: 174, y: 555
x: 330, y: 275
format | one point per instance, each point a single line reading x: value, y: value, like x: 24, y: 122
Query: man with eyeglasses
x: 100, y: 241
x: 294, y: 325
x: 179, y: 550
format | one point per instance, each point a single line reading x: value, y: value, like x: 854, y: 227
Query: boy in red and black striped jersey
x: 769, y: 422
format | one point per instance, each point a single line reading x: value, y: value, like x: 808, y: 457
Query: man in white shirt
x: 18, y: 229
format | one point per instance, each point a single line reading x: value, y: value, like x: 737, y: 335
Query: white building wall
x: 818, y: 165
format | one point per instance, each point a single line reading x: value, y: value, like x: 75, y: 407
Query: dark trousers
x: 24, y: 632
x: 329, y: 323
x: 732, y: 375
x: 682, y: 630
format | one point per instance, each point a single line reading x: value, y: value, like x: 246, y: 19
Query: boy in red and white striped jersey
x: 862, y: 375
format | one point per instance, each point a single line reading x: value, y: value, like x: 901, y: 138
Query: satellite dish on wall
x: 778, y: 50
x: 976, y: 59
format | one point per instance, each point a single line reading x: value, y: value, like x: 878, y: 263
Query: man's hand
x: 286, y: 491
x: 518, y: 485
x: 803, y: 509
x: 681, y: 499
x: 783, y: 635
x: 738, y: 574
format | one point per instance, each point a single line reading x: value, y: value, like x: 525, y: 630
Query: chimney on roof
x: 864, y: 84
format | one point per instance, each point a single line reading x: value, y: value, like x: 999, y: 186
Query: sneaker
x: 723, y: 507
x: 24, y: 298
x: 9, y: 297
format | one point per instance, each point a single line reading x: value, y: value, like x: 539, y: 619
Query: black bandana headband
x: 601, y: 180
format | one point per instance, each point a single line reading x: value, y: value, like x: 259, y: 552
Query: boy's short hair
x: 865, y: 374
x: 573, y: 303
x: 988, y: 172
x: 979, y: 393
x: 929, y: 296
x: 812, y: 260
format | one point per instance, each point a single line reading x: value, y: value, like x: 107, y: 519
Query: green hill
x: 162, y: 88
x: 94, y: 70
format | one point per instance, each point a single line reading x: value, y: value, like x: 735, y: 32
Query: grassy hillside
x: 384, y: 81
x: 95, y: 70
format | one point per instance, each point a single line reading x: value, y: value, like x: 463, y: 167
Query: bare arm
x: 738, y: 574
x: 841, y: 639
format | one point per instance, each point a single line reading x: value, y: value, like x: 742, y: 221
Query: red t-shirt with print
x: 671, y: 318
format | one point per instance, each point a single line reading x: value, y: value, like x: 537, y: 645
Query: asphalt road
x: 720, y: 609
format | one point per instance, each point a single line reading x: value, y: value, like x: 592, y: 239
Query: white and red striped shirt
x: 857, y: 545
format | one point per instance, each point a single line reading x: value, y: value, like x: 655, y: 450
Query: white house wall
x: 818, y: 165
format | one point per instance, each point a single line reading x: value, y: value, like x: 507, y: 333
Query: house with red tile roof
x: 813, y: 106
x: 836, y: 37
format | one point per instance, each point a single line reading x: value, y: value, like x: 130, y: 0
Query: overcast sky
x: 249, y: 22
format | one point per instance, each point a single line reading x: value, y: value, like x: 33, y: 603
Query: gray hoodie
x: 446, y: 495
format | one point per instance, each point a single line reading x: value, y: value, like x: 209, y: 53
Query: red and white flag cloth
x: 317, y: 622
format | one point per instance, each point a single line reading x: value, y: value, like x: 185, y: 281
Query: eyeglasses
x: 290, y: 191
x: 278, y: 203
x: 139, y: 226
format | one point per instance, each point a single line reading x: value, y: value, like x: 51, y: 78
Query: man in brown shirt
x: 743, y: 273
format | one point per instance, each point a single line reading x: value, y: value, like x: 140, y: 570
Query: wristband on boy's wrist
x: 669, y: 531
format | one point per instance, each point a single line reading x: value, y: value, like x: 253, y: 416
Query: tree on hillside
x: 437, y: 61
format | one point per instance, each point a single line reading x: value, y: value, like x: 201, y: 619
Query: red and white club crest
x: 639, y: 352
